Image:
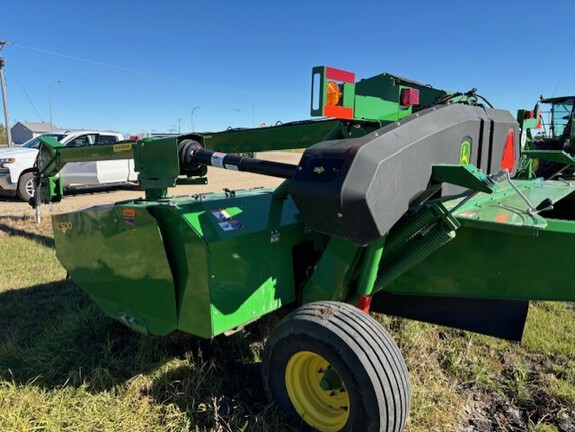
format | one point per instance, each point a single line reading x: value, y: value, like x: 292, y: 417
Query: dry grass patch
x: 64, y: 366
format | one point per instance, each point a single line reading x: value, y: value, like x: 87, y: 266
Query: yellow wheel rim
x: 317, y: 392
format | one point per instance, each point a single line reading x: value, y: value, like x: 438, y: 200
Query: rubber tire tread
x: 372, y: 329
x: 21, y: 191
x: 393, y: 356
x: 372, y: 350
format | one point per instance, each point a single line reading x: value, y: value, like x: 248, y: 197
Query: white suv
x: 17, y: 164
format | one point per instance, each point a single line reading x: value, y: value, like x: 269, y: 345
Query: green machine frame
x: 209, y: 264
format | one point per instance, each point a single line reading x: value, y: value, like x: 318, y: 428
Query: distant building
x: 24, y: 131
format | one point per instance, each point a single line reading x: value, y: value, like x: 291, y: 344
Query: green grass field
x: 64, y: 366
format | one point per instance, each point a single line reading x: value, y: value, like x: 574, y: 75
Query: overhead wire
x: 25, y: 92
x: 148, y: 74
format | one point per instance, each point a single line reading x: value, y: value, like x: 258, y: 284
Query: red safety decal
x: 364, y: 303
x: 339, y: 75
x: 508, y: 160
x: 338, y: 112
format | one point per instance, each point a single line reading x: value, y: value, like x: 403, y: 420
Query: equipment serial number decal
x: 122, y: 147
x: 64, y: 226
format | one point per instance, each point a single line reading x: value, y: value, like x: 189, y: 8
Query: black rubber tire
x: 362, y: 352
x: 22, y: 190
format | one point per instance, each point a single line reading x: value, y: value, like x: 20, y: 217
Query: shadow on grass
x: 53, y: 336
x: 220, y: 387
x: 35, y: 236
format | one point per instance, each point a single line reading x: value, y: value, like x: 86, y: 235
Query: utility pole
x: 50, y: 103
x: 50, y: 106
x: 195, y: 108
x: 4, y: 102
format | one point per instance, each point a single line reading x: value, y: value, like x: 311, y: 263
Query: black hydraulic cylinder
x: 242, y: 163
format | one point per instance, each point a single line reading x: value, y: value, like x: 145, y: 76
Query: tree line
x: 3, y: 139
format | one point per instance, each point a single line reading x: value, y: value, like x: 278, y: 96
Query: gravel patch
x: 218, y: 179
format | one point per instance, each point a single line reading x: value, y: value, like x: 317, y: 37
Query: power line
x: 25, y: 92
x: 97, y: 63
x: 148, y: 74
x: 3, y: 42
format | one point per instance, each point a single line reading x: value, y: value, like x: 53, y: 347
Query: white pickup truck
x: 17, y: 164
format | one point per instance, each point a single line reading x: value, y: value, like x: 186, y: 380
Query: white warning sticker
x: 230, y: 225
x: 221, y: 214
x: 217, y: 159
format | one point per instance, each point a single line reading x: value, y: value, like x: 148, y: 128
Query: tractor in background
x: 547, y: 138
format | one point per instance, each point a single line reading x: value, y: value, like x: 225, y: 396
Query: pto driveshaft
x: 192, y: 154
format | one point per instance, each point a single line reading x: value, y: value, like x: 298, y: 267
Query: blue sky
x: 146, y: 64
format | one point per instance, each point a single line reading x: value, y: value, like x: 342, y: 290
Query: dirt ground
x: 218, y: 179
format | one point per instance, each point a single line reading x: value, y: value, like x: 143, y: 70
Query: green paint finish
x: 188, y: 259
x: 52, y: 189
x: 506, y: 211
x: 53, y: 155
x: 501, y: 251
x: 348, y: 95
x: 373, y: 99
x: 373, y: 108
x: 287, y: 136
x: 387, y: 88
x: 370, y: 267
x: 157, y: 164
x: 413, y: 253
x: 558, y: 156
x: 331, y: 277
x: 467, y: 176
x: 482, y: 263
x: 527, y: 123
x: 116, y: 255
x: 246, y: 262
x: 202, y: 265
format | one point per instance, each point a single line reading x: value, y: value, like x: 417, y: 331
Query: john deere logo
x: 318, y: 169
x: 465, y: 152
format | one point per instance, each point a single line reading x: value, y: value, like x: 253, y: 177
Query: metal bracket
x: 531, y: 209
x: 466, y: 175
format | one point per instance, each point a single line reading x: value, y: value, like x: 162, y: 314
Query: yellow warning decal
x: 122, y: 147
